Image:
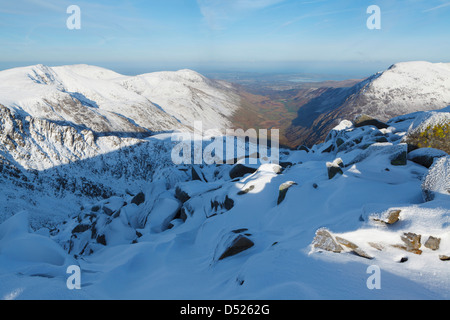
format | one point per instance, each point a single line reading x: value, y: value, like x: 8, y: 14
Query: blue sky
x: 136, y: 36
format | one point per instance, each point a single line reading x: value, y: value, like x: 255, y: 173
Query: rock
x: 286, y: 165
x: 163, y: 212
x: 138, y: 199
x: 412, y: 242
x: 377, y: 246
x: 197, y: 174
x: 245, y: 191
x: 404, y: 259
x: 426, y: 156
x: 346, y: 243
x: 101, y: 240
x: 329, y: 149
x: 433, y: 243
x: 181, y: 195
x: 393, y: 217
x: 284, y: 188
x: 81, y: 228
x: 354, y: 248
x: 362, y: 253
x: 239, y: 170
x: 325, y: 241
x: 381, y: 140
x: 400, y: 159
x: 303, y: 148
x: 432, y: 130
x: 270, y: 167
x: 220, y: 205
x: 365, y: 120
x: 444, y: 258
x: 437, y: 181
x: 239, y: 244
x: 335, y: 168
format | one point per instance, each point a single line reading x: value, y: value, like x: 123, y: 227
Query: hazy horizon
x: 266, y: 36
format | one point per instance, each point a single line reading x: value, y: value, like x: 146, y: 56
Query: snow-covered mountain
x: 403, y: 88
x: 104, y: 101
x: 309, y: 229
x: 82, y: 183
x: 54, y: 116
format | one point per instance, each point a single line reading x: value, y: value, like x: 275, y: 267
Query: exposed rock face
x: 325, y: 241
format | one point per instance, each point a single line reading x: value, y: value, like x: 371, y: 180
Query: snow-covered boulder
x: 437, y: 182
x: 426, y: 156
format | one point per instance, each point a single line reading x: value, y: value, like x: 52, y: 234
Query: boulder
x: 426, y: 156
x: 238, y: 245
x: 392, y: 217
x: 246, y: 190
x: 240, y: 170
x: 138, y: 199
x: 354, y: 248
x: 412, y: 243
x: 433, y: 243
x: 400, y: 159
x: 335, y: 168
x: 444, y: 258
x: 284, y: 188
x: 325, y: 241
x: 365, y: 120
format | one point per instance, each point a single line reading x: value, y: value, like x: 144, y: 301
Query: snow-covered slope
x: 194, y: 232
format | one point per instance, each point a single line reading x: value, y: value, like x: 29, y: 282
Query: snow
x: 113, y: 102
x: 169, y: 246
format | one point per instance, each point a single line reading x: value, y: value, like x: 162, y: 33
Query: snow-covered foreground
x: 175, y: 240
